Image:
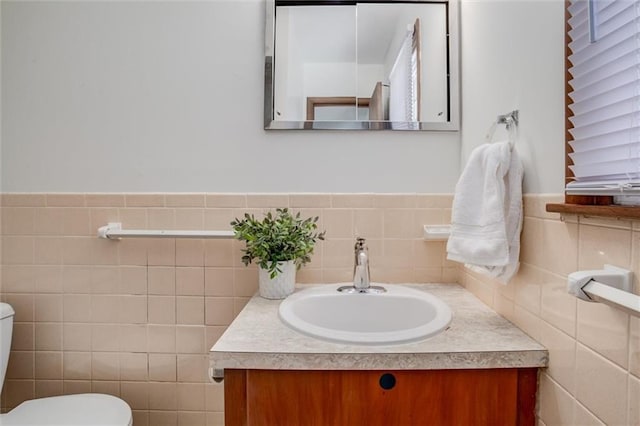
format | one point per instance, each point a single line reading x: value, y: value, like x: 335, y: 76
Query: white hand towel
x: 487, y: 212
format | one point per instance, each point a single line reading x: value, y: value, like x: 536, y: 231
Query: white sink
x: 401, y: 315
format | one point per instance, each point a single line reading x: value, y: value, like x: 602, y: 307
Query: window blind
x: 605, y: 97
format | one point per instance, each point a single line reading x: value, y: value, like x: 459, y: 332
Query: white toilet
x: 89, y: 409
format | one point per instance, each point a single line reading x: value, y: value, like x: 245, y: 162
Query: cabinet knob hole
x: 387, y: 381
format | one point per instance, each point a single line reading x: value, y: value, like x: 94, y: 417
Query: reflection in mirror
x: 379, y: 65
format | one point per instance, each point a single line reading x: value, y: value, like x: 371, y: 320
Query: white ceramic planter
x: 282, y: 285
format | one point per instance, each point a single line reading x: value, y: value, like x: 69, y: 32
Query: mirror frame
x: 454, y: 81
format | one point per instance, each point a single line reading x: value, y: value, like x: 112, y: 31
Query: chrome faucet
x: 361, y: 275
x: 361, y: 265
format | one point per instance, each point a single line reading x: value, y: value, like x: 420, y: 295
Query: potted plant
x: 280, y: 244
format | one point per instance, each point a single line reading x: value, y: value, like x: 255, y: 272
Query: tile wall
x: 136, y: 317
x: 594, y: 370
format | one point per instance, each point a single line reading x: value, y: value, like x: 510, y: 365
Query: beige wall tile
x: 267, y: 201
x: 185, y: 200
x: 104, y: 200
x: 189, y: 252
x: 163, y: 418
x: 65, y: 200
x: 560, y: 253
x: 605, y: 330
x: 21, y: 365
x: 23, y: 200
x: 18, y: 391
x: 162, y: 396
x: 71, y: 387
x: 105, y: 280
x: 309, y: 200
x: 226, y: 200
x: 133, y: 280
x: 428, y: 253
x: 48, y: 279
x: 134, y: 337
x: 76, y: 365
x: 49, y: 221
x: 187, y: 418
x: 162, y: 367
x: 162, y: 280
x: 190, y: 339
x: 133, y: 218
x: 18, y: 250
x: 48, y: 250
x: 555, y: 403
x: 133, y: 251
x: 608, y: 399
x: 218, y: 310
x: 105, y: 366
x: 76, y: 308
x: 368, y: 223
x: 23, y: 338
x: 191, y: 396
x: 48, y: 337
x: 634, y: 346
x: 105, y: 308
x: 162, y: 218
x: 144, y: 200
x: 105, y: 337
x: 162, y: 338
x: 162, y: 309
x: 634, y: 397
x: 18, y: 278
x: 77, y: 221
x: 106, y: 387
x: 215, y: 419
x: 136, y: 394
x: 76, y: 337
x: 18, y: 220
x: 134, y: 366
x: 218, y: 219
x: 192, y: 219
x: 562, y: 355
x: 557, y: 307
x: 22, y: 304
x: 161, y: 252
x: 583, y: 417
x: 394, y: 201
x: 48, y: 307
x: 133, y: 309
x: 219, y: 253
x: 214, y: 394
x: 338, y: 223
x: 189, y: 281
x: 337, y: 253
x: 528, y: 322
x: 218, y: 281
x: 400, y: 223
x: 47, y: 388
x: 352, y: 201
x: 245, y: 282
x: 104, y: 252
x: 192, y: 368
x: 189, y: 310
x: 600, y: 245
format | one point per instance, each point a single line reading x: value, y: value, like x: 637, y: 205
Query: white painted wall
x: 167, y: 96
x: 513, y: 58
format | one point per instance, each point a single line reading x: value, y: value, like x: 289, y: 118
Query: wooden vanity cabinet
x: 489, y: 397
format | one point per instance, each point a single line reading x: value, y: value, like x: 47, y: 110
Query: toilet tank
x: 6, y: 328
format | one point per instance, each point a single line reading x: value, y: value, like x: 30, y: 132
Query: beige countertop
x: 476, y: 338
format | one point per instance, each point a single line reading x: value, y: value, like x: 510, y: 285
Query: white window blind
x: 605, y: 97
x: 403, y: 79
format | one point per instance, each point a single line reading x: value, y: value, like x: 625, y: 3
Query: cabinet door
x: 435, y: 397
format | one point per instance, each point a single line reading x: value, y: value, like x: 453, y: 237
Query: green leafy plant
x: 278, y: 237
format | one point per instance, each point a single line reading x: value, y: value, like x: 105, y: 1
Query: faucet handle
x: 360, y: 243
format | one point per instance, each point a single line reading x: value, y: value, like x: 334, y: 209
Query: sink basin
x: 401, y: 315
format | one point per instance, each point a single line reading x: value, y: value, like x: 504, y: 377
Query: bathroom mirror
x: 361, y: 65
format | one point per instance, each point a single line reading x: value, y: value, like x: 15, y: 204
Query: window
x: 603, y: 105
